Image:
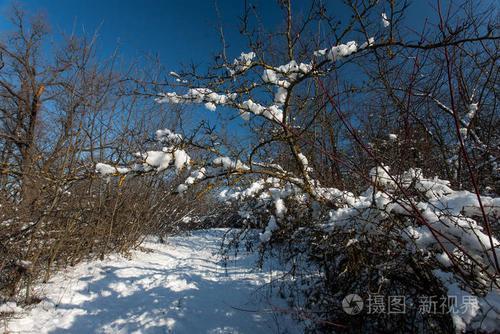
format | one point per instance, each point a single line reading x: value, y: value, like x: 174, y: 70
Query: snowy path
x: 178, y: 287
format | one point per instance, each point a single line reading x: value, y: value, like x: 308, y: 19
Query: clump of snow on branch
x: 283, y: 75
x: 304, y: 162
x: 181, y: 158
x: 467, y: 119
x: 470, y: 115
x: 385, y: 20
x: 280, y: 208
x: 242, y: 63
x: 342, y: 50
x: 466, y: 133
x: 364, y: 45
x: 270, y: 228
x: 227, y: 164
x: 197, y: 95
x: 273, y: 112
x: 195, y: 176
x: 174, y: 74
x: 10, y: 307
x: 380, y: 175
x: 169, y: 137
x: 105, y: 169
x: 161, y: 160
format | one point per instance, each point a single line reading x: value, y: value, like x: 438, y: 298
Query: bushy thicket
x: 366, y: 156
x: 60, y: 113
x: 369, y: 161
x: 377, y: 246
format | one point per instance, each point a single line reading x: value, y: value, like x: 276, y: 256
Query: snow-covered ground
x: 177, y: 287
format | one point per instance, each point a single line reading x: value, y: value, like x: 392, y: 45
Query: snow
x: 197, y: 95
x: 174, y: 74
x: 196, y: 175
x: 181, y: 159
x: 305, y: 68
x: 470, y: 115
x: 289, y: 67
x: 304, y: 161
x: 177, y: 287
x: 469, y: 311
x: 385, y: 20
x: 269, y: 76
x: 253, y: 107
x: 320, y: 53
x: 289, y: 72
x: 342, y: 50
x: 281, y: 76
x: 380, y: 176
x: 210, y: 106
x: 370, y: 42
x: 268, y: 232
x: 105, y: 169
x: 228, y: 164
x: 158, y: 159
x: 281, y: 95
x: 444, y: 259
x: 168, y: 136
x: 182, y: 188
x: 24, y: 264
x: 351, y: 242
x: 467, y: 119
x: 280, y: 208
x: 273, y: 112
x: 242, y: 63
x: 10, y: 307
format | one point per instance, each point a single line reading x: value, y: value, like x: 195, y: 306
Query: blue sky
x: 178, y: 31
